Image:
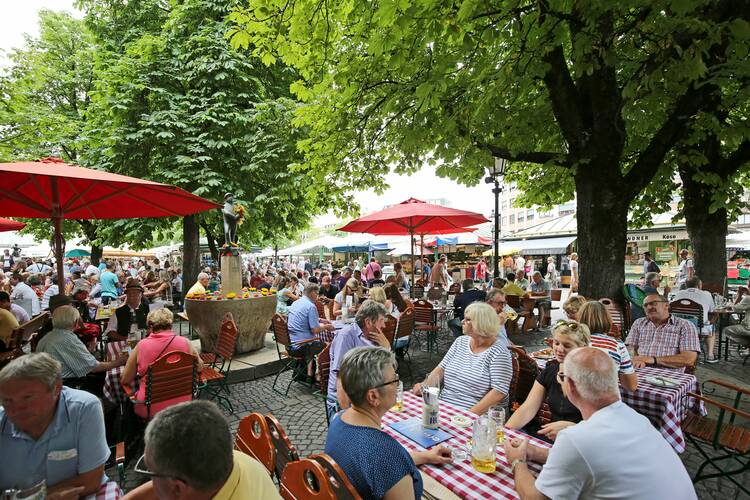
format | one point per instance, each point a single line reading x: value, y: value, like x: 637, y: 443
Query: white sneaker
x: 712, y: 360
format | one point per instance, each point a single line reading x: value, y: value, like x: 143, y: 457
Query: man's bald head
x: 594, y: 375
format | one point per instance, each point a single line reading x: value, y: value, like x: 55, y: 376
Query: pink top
x: 149, y: 349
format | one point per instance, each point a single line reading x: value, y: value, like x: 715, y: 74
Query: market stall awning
x: 506, y: 248
x: 544, y: 246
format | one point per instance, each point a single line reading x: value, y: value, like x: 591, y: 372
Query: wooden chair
x: 425, y: 321
x: 513, y: 387
x: 721, y: 435
x: 321, y: 309
x: 530, y: 320
x: 555, y: 295
x: 511, y: 326
x: 324, y: 371
x: 390, y: 328
x: 306, y: 480
x: 402, y: 341
x: 713, y: 288
x: 341, y: 485
x: 217, y: 363
x: 620, y: 317
x: 691, y: 311
x: 13, y: 350
x: 417, y: 291
x: 527, y: 373
x: 254, y: 438
x: 172, y: 376
x: 284, y: 451
x: 289, y: 361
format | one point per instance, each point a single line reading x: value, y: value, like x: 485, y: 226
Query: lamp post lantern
x: 496, y: 171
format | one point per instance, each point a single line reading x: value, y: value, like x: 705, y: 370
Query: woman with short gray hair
x: 375, y: 463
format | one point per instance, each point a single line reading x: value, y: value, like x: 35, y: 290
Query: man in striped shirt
x: 661, y: 339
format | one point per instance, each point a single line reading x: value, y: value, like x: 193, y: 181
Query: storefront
x: 664, y: 245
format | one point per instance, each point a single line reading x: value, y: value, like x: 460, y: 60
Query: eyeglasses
x: 140, y: 468
x: 654, y: 302
x: 394, y: 381
x: 570, y: 324
x: 467, y: 320
x: 498, y: 302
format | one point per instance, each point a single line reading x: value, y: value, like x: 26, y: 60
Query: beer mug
x: 497, y: 414
x: 399, y: 406
x: 484, y: 440
x: 431, y: 407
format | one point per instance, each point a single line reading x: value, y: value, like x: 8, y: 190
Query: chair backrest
x: 514, y: 301
x: 713, y: 288
x: 527, y: 373
x: 306, y: 479
x: 254, y: 438
x: 390, y: 328
x: 16, y: 339
x: 689, y: 310
x: 285, y: 451
x: 405, y: 323
x: 341, y: 485
x: 227, y: 341
x: 417, y: 291
x: 435, y: 293
x: 423, y: 312
x: 617, y: 314
x: 34, y: 324
x: 324, y: 367
x: 172, y: 375
x: 454, y: 289
x: 281, y: 330
x: 555, y: 295
x: 321, y: 309
x: 514, y: 380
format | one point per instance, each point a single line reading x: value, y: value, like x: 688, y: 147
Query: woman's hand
x: 437, y: 455
x: 417, y: 389
x: 551, y: 429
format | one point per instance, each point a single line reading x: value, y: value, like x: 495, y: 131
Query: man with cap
x: 131, y: 316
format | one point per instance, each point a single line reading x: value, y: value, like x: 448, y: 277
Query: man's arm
x: 143, y: 492
x: 90, y: 482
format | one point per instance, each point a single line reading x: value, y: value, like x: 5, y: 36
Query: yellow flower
x: 231, y: 295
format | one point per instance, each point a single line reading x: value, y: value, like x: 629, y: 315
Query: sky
x: 20, y: 16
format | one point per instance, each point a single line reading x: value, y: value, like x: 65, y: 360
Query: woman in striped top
x: 595, y: 315
x: 477, y: 370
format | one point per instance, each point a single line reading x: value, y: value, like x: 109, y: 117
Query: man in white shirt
x: 91, y: 270
x: 520, y: 262
x: 38, y: 267
x: 19, y: 312
x: 23, y: 292
x: 613, y: 453
x: 686, y: 269
x: 694, y: 292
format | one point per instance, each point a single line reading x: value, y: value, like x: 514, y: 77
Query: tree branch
x: 564, y: 97
x: 539, y: 157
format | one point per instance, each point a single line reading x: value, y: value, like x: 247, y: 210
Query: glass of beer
x: 484, y: 441
x: 497, y: 414
x: 511, y: 315
x: 399, y: 406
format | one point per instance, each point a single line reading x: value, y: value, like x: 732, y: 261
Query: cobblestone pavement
x: 303, y: 417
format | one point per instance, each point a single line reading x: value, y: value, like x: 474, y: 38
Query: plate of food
x: 460, y: 421
x: 543, y: 354
x: 662, y: 381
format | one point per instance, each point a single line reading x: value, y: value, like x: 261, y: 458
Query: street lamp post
x: 496, y: 171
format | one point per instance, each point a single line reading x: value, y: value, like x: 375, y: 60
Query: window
x: 505, y: 220
x: 530, y: 216
x: 566, y: 212
x: 512, y: 219
x: 520, y: 217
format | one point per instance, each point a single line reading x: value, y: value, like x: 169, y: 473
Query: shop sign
x: 658, y: 236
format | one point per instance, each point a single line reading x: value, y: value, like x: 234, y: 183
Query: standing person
x: 38, y: 267
x: 585, y: 460
x: 426, y: 270
x: 519, y: 264
x: 573, y: 272
x: 439, y: 273
x: 649, y: 266
x: 109, y: 282
x: 480, y: 270
x: 551, y: 272
x: 370, y: 269
x: 686, y: 269
x: 8, y: 261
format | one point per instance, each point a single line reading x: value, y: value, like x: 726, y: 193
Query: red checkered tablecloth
x: 112, y: 389
x: 460, y: 477
x: 108, y: 491
x: 665, y: 407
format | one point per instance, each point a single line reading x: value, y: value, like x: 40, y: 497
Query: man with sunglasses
x: 184, y: 466
x: 661, y: 339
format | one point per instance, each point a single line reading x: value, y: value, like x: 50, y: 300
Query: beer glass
x: 484, y: 440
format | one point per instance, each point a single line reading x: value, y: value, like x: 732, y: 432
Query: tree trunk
x: 191, y: 256
x: 707, y: 231
x: 211, y: 241
x: 602, y: 236
x: 96, y: 254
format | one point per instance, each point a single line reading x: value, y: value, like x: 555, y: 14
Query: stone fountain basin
x: 253, y: 317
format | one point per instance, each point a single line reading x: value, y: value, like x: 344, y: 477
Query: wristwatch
x: 515, y: 462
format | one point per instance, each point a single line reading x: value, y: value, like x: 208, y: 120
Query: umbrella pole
x: 411, y: 256
x: 57, y: 223
x: 421, y: 250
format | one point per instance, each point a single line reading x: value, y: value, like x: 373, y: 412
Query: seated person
x: 285, y: 295
x: 511, y: 288
x: 496, y: 299
x: 17, y: 311
x: 586, y: 459
x: 469, y: 295
x: 521, y: 280
x: 367, y: 330
x: 540, y: 288
x: 362, y: 283
x: 694, y: 291
x: 572, y: 305
x: 377, y: 279
x: 200, y: 287
x: 740, y: 333
x: 566, y: 336
x: 8, y: 323
x: 378, y: 295
x: 351, y: 289
x: 161, y: 340
x: 305, y: 324
x: 661, y: 339
x: 594, y: 314
x: 182, y: 467
x: 49, y: 431
x: 77, y: 362
x: 375, y: 463
x: 158, y: 290
x: 328, y: 291
x: 477, y: 369
x: 652, y: 281
x: 394, y: 295
x: 131, y: 316
x: 400, y: 276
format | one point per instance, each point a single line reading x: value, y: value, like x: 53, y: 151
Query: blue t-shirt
x: 109, y: 284
x: 372, y: 460
x: 303, y: 317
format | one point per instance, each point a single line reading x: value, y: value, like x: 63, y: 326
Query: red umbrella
x: 52, y: 188
x: 415, y: 217
x: 10, y: 225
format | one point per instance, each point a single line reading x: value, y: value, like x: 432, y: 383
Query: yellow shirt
x: 8, y: 323
x: 249, y: 480
x: 513, y: 289
x: 197, y: 288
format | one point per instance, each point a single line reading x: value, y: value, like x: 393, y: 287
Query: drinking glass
x: 37, y: 491
x: 484, y: 440
x: 399, y: 406
x: 497, y: 414
x: 133, y: 338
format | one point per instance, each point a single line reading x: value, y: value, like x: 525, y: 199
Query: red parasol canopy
x: 10, y: 225
x: 50, y: 188
x: 416, y: 217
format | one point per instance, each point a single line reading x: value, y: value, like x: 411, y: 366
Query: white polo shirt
x: 703, y: 298
x: 615, y: 454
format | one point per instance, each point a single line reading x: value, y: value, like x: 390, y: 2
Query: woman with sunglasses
x: 566, y: 336
x: 478, y: 368
x: 352, y: 288
x: 375, y: 463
